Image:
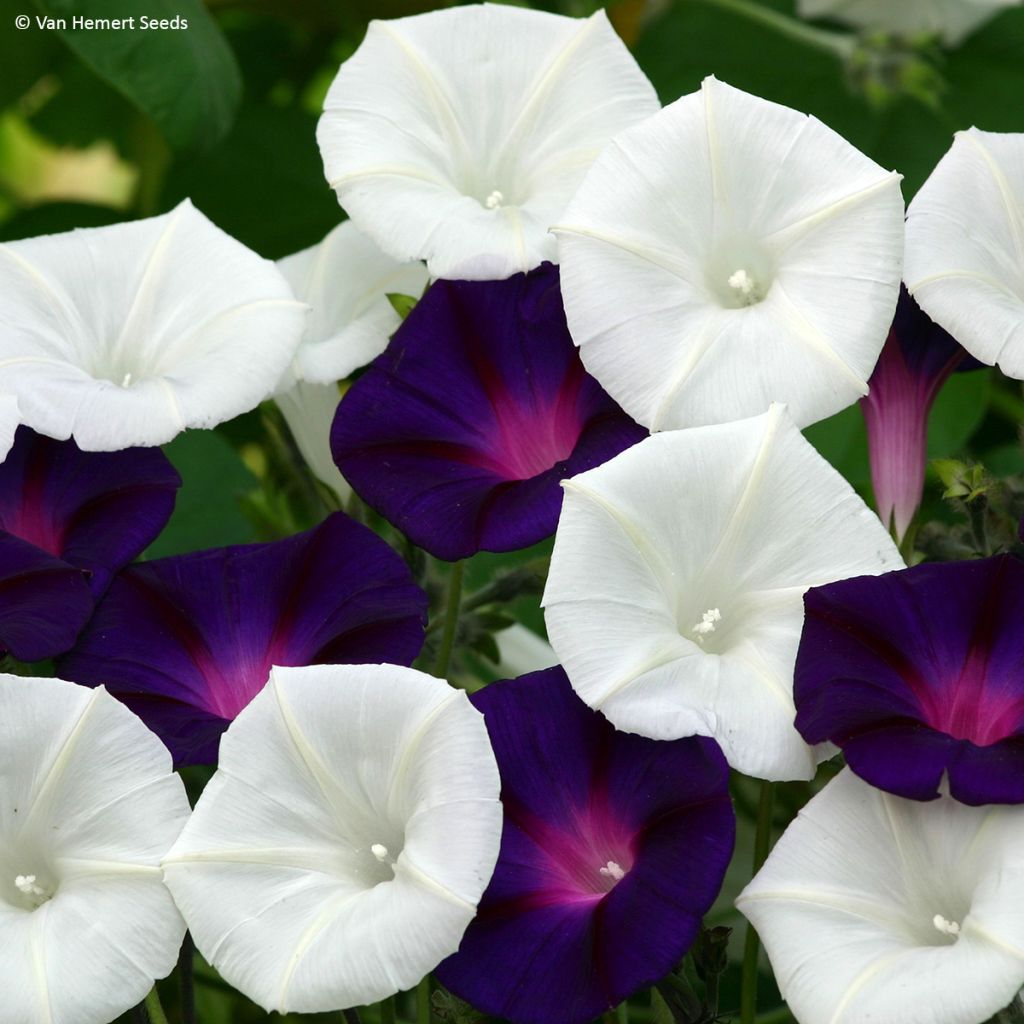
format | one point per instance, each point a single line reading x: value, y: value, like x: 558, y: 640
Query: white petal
x: 331, y: 774
x: 964, y: 259
x: 458, y: 136
x: 719, y: 194
x: 950, y: 19
x: 346, y: 280
x: 846, y: 903
x: 127, y: 335
x: 10, y: 417
x: 734, y: 521
x: 309, y: 410
x: 522, y: 651
x: 88, y: 805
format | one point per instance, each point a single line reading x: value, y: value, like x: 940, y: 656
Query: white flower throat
x: 29, y: 886
x: 707, y: 625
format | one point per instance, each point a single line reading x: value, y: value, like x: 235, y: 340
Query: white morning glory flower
x: 458, y: 136
x: 126, y: 335
x: 965, y: 246
x: 675, y: 594
x: 729, y: 252
x: 339, y: 853
x: 952, y: 20
x: 88, y: 806
x: 876, y: 908
x: 346, y: 281
x: 10, y: 417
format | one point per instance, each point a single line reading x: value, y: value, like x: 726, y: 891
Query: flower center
x: 34, y: 893
x: 748, y: 291
x: 708, y: 623
x: 612, y: 870
x: 944, y: 927
x: 495, y: 200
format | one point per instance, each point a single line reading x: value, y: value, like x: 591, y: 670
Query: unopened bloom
x: 729, y: 252
x: 917, y: 358
x: 88, y: 806
x: 501, y: 109
x: 309, y: 411
x: 462, y: 431
x: 340, y: 851
x: 188, y: 641
x: 127, y: 335
x: 875, y: 908
x: 917, y: 676
x: 964, y: 258
x: 953, y: 20
x: 674, y: 599
x: 68, y: 521
x: 613, y: 849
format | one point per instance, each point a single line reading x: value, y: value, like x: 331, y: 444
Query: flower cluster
x: 557, y: 309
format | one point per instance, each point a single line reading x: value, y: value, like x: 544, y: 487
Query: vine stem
x: 423, y: 1001
x: 752, y: 945
x: 155, y: 1008
x: 451, y: 621
x: 838, y: 44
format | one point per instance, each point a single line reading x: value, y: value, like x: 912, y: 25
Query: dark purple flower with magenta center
x: 918, y: 674
x: 68, y: 521
x: 187, y: 642
x: 614, y: 847
x: 916, y: 360
x: 461, y: 432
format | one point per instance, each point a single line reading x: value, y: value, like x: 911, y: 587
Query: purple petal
x: 94, y: 510
x: 919, y: 672
x: 189, y: 641
x: 461, y: 432
x: 614, y: 846
x: 44, y: 602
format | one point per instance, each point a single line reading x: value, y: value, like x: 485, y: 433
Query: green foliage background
x: 97, y: 127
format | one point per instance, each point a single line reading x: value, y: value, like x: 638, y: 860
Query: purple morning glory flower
x: 916, y: 360
x: 187, y: 642
x: 918, y: 674
x: 68, y: 521
x: 462, y: 431
x: 614, y: 847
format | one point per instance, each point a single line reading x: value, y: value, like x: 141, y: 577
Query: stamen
x: 707, y: 624
x: 127, y: 382
x: 380, y: 851
x: 743, y: 283
x: 28, y: 885
x: 494, y: 200
x: 944, y: 926
x: 612, y: 870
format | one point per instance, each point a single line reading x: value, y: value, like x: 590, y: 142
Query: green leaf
x: 184, y: 75
x: 958, y: 412
x: 403, y: 305
x: 207, y: 513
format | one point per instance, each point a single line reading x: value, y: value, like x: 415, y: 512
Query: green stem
x: 351, y: 1016
x: 154, y: 1008
x: 423, y: 1001
x: 752, y: 945
x: 622, y: 1013
x: 451, y: 621
x: 387, y: 1011
x: 186, y: 975
x: 838, y: 44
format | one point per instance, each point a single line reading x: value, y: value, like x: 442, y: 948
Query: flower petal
x: 501, y: 112
x: 126, y: 335
x: 203, y: 630
x: 733, y: 521
x: 329, y: 777
x: 848, y: 900
x: 753, y: 252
